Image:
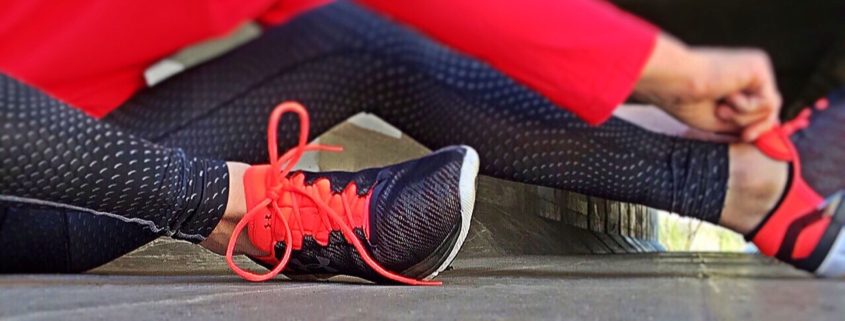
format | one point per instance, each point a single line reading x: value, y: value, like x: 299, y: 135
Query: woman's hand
x: 716, y: 90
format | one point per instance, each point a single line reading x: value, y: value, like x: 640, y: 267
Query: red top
x: 584, y: 55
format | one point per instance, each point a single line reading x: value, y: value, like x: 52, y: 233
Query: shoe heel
x: 833, y: 265
x: 255, y: 191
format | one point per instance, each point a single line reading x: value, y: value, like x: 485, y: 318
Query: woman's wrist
x: 713, y: 89
x: 672, y: 74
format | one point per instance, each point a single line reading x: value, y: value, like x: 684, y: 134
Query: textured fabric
x: 108, y: 191
x: 584, y: 54
x: 43, y: 239
x: 340, y: 60
x: 821, y: 148
x: 98, y: 59
x: 414, y: 207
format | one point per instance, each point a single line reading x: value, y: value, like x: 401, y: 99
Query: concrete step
x: 658, y: 286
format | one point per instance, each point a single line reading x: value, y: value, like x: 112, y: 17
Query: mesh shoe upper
x: 415, y: 207
x: 820, y: 146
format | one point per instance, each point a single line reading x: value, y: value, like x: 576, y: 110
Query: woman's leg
x: 340, y: 60
x: 36, y: 239
x: 76, y: 193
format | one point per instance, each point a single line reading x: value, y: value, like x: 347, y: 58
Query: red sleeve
x: 92, y: 53
x: 584, y: 55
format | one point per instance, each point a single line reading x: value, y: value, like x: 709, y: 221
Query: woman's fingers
x: 754, y: 113
x: 743, y: 103
x: 730, y: 114
x: 753, y: 131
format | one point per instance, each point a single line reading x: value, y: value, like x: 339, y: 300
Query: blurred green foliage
x: 677, y: 233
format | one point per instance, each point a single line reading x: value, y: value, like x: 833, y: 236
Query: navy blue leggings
x: 340, y: 60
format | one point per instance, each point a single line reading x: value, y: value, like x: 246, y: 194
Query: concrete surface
x: 552, y: 221
x: 660, y: 286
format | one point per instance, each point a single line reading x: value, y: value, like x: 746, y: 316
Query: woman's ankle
x: 755, y: 184
x: 236, y: 205
x: 235, y: 210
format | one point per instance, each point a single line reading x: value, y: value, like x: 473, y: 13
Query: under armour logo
x: 319, y: 264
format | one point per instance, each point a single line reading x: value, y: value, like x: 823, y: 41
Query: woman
x: 550, y: 70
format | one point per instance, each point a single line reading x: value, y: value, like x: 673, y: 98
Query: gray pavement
x: 657, y: 286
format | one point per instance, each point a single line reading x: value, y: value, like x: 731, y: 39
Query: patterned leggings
x: 338, y: 60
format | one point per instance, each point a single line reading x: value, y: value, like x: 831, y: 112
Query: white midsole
x: 833, y: 265
x: 466, y: 187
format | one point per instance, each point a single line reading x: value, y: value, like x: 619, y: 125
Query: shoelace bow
x: 780, y: 146
x: 803, y: 119
x: 279, y: 184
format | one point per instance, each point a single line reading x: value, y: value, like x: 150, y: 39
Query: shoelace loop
x: 803, y: 119
x: 776, y: 144
x: 798, y: 123
x: 279, y: 184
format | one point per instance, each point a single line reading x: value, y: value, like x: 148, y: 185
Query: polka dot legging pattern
x: 338, y: 60
x: 76, y: 193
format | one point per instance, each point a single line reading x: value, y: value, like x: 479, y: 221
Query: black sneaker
x: 806, y: 229
x: 399, y: 224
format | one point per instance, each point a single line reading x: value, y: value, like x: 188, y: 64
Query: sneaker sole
x: 833, y: 265
x: 467, y: 188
